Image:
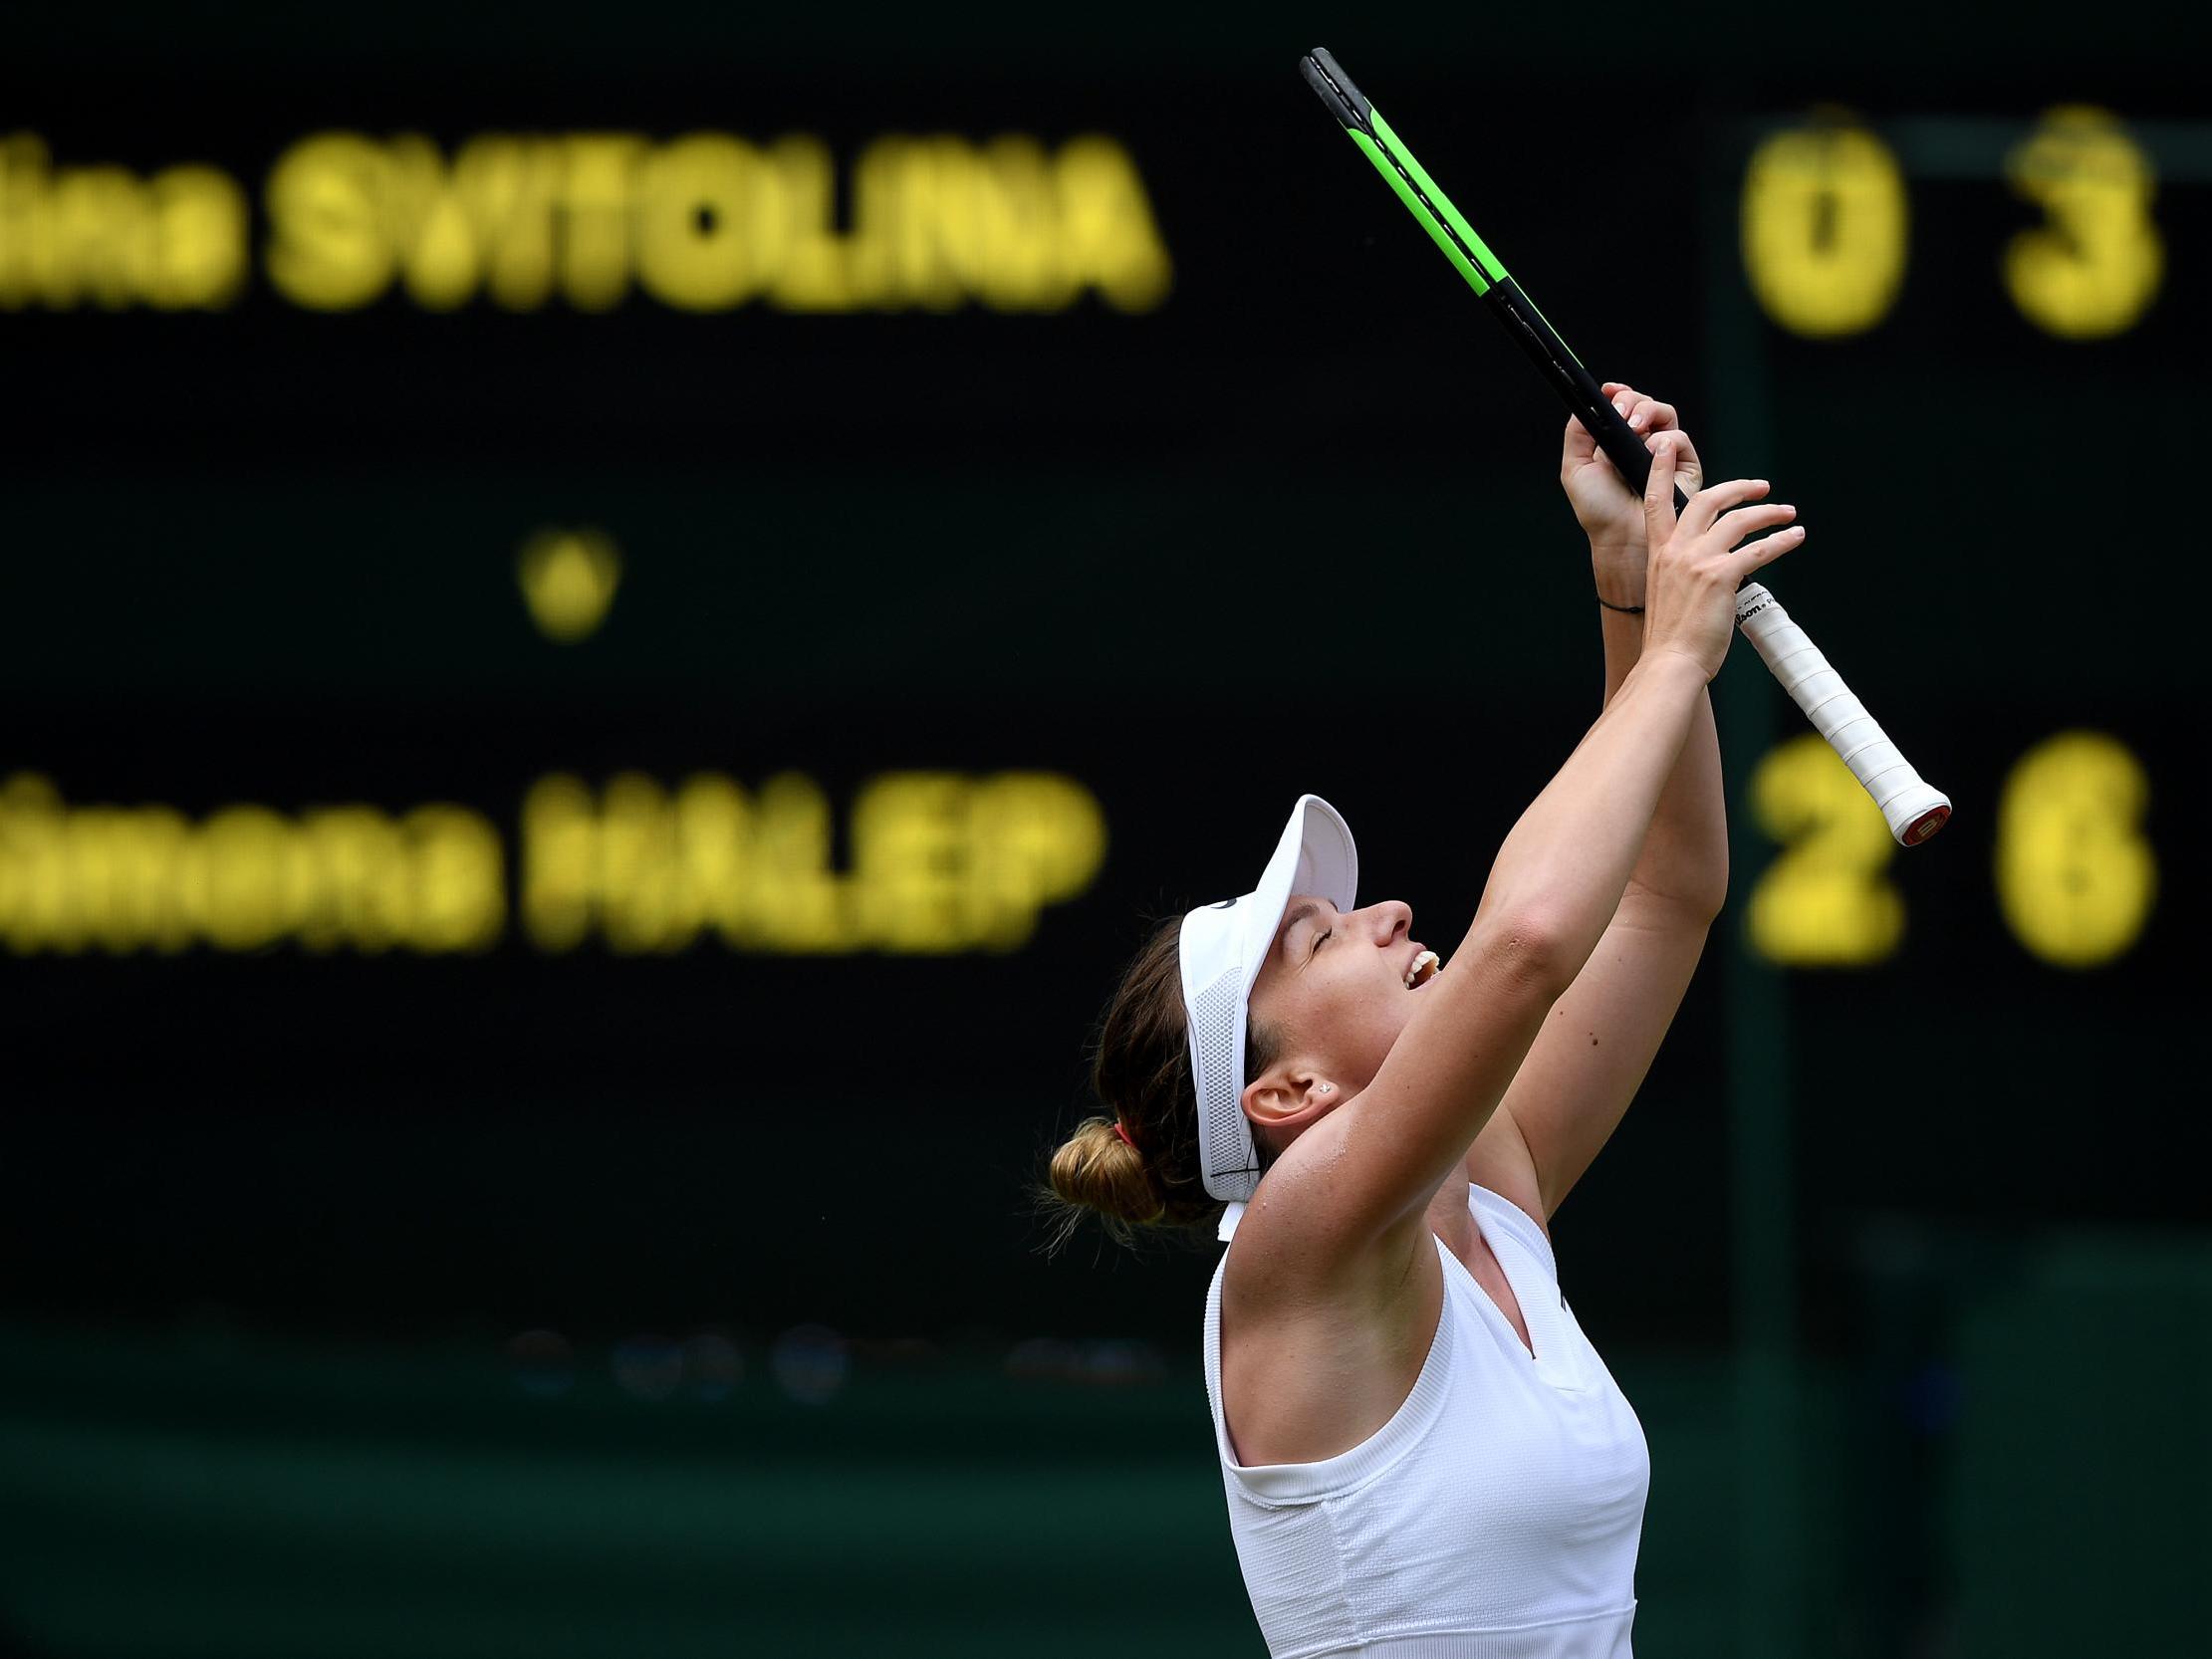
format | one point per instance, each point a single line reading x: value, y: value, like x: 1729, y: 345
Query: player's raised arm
x: 1364, y: 1154
x: 1598, y: 1044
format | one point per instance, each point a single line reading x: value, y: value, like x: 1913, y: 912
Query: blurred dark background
x: 603, y: 669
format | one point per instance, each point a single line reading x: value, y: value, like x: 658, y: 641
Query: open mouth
x: 1424, y: 968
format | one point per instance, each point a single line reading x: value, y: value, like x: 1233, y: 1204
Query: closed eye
x: 1318, y: 943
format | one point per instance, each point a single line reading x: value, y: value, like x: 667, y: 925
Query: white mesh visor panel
x: 1229, y: 1158
x: 1222, y: 947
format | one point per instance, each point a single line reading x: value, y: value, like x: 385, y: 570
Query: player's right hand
x: 1696, y: 566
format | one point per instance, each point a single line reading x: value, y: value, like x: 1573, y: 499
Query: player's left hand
x: 1609, y: 512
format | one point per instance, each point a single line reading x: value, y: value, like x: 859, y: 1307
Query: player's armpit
x: 1500, y: 1161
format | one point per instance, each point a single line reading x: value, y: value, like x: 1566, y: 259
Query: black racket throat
x: 1586, y: 400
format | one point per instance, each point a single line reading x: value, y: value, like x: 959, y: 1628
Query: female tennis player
x: 1422, y: 1452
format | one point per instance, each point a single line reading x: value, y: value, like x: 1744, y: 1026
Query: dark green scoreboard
x: 606, y: 649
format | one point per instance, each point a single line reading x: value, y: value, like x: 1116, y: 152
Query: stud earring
x: 1325, y: 1088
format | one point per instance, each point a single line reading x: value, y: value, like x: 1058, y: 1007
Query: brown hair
x: 1141, y: 1073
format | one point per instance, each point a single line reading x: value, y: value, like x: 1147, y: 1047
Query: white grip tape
x: 1904, y: 796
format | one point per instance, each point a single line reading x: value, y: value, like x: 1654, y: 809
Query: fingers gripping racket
x: 1913, y: 808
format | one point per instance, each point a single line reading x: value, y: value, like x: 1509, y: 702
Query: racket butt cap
x: 1925, y: 825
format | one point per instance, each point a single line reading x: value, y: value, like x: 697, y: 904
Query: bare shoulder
x: 1286, y: 1252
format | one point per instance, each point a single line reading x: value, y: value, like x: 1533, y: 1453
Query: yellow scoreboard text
x: 940, y: 862
x: 2075, y: 877
x: 705, y: 222
x: 925, y: 863
x: 1825, y: 226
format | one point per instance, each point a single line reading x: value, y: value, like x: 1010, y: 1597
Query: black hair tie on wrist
x: 1625, y: 609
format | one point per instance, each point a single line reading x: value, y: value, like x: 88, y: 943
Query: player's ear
x: 1286, y: 1096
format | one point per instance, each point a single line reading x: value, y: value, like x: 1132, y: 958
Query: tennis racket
x: 1911, y: 807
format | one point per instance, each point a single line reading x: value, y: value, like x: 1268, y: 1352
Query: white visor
x: 1223, y: 946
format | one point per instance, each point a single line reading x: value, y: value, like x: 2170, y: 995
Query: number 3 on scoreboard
x: 2093, y: 267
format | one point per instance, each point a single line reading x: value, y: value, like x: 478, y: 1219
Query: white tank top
x: 1495, y: 1516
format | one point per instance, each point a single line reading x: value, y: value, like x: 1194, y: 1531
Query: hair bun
x: 1099, y: 1170
x: 1141, y: 1075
